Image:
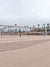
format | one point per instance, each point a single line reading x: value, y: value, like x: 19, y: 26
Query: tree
x: 44, y: 25
x: 30, y: 28
x: 33, y: 27
x: 15, y: 24
x: 8, y: 28
x: 48, y: 25
x: 38, y: 27
x: 44, y: 28
x: 25, y: 28
x: 15, y: 28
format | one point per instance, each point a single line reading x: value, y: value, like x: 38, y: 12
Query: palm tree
x: 15, y: 24
x: 44, y: 26
x: 38, y: 26
x: 15, y: 28
x: 48, y: 26
x: 8, y: 28
x: 25, y: 28
x: 33, y: 27
x: 30, y: 28
x: 2, y: 30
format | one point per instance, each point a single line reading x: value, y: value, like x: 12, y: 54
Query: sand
x: 25, y: 51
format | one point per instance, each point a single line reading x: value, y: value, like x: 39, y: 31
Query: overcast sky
x: 24, y: 12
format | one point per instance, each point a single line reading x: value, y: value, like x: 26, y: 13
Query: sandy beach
x: 25, y: 51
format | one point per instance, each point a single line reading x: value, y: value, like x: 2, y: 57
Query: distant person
x: 1, y: 34
x: 20, y: 34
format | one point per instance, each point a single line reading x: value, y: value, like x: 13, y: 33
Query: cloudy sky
x: 24, y: 12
